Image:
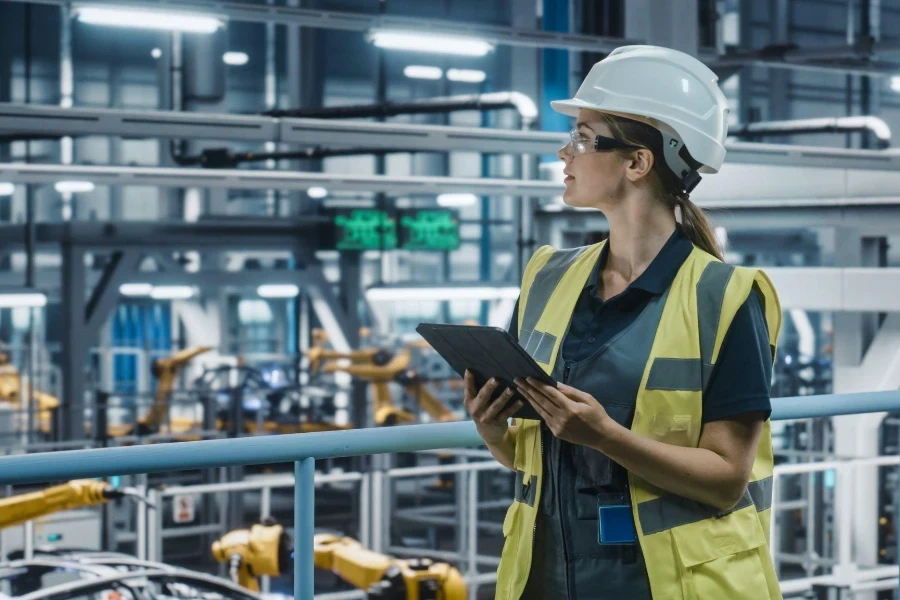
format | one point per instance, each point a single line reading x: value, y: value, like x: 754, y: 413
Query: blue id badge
x: 616, y: 525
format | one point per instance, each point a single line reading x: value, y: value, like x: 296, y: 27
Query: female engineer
x: 649, y: 475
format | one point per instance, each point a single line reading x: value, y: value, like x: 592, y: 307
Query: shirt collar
x: 662, y: 269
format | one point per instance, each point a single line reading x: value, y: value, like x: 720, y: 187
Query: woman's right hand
x: 491, y: 418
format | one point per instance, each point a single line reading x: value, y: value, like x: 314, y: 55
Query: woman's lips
x: 568, y: 179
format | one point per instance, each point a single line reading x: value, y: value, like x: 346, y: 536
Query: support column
x: 74, y: 345
x: 673, y: 24
x: 857, y: 435
x: 350, y: 294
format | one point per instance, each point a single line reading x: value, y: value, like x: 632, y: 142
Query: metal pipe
x: 524, y: 105
x: 304, y: 530
x: 875, y: 125
x: 472, y: 537
x: 154, y: 527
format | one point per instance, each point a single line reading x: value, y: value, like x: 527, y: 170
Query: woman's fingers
x: 494, y: 408
x: 510, y: 410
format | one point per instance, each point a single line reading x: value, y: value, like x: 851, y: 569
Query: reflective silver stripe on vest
x: 690, y: 374
x: 545, y: 281
x: 661, y: 514
x: 761, y: 492
x: 681, y: 374
x: 525, y: 493
x: 710, y: 297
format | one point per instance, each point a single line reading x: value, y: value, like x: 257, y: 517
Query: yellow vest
x: 692, y: 551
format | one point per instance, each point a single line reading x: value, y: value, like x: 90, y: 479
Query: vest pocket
x: 721, y: 557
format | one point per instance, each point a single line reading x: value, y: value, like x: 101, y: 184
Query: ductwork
x: 856, y: 124
x: 524, y: 105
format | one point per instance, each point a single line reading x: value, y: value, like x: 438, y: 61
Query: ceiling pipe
x: 221, y: 158
x: 856, y: 124
x: 524, y: 105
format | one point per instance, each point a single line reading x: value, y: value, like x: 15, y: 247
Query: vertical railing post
x: 265, y: 511
x: 472, y: 567
x: 304, y: 523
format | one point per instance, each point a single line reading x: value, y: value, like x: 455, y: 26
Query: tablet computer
x: 487, y: 352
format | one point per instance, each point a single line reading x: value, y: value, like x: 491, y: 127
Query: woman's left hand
x: 572, y: 415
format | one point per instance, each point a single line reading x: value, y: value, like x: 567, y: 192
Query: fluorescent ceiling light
x: 895, y: 83
x: 278, y: 290
x: 156, y: 53
x: 135, y: 289
x: 429, y: 42
x: 21, y: 299
x: 172, y: 292
x: 317, y: 193
x: 466, y: 75
x: 235, y: 59
x: 454, y: 292
x: 423, y: 72
x: 73, y: 187
x: 456, y: 200
x: 147, y: 19
x: 7, y: 189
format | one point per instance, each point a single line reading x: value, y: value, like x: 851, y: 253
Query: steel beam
x: 20, y: 120
x: 285, y: 180
x: 74, y: 345
x: 105, y: 295
x: 363, y: 22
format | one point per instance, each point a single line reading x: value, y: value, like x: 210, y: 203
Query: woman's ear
x: 639, y: 165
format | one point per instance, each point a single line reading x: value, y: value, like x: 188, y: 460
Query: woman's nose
x: 564, y: 154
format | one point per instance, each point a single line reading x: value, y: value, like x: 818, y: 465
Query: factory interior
x: 225, y: 221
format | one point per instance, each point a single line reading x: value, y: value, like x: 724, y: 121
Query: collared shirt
x: 741, y: 379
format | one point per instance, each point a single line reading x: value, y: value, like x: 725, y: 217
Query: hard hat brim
x: 571, y: 106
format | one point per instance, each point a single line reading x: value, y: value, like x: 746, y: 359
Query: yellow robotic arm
x: 384, y: 577
x: 166, y: 370
x: 16, y: 510
x: 253, y: 553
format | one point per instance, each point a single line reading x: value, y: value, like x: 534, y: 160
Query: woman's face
x: 595, y: 179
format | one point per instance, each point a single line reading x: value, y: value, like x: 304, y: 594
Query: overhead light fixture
x: 7, y: 189
x: 74, y: 187
x: 135, y: 290
x: 147, y: 19
x: 429, y: 42
x: 895, y: 83
x: 423, y: 72
x: 317, y: 193
x: 456, y: 200
x: 466, y: 75
x: 156, y: 53
x: 172, y: 292
x: 22, y: 299
x: 235, y: 59
x: 278, y: 290
x: 437, y: 293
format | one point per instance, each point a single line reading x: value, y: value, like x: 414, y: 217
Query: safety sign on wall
x: 183, y: 509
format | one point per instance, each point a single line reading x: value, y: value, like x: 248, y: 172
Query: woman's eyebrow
x: 584, y: 124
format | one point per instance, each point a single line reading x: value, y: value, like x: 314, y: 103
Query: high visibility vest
x: 692, y: 551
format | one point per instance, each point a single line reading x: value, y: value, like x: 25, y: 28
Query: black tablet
x: 487, y: 352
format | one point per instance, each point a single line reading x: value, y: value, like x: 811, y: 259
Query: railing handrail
x: 107, y: 462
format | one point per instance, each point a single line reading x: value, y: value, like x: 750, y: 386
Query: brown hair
x: 695, y: 223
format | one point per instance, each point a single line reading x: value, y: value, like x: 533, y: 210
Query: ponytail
x: 697, y: 227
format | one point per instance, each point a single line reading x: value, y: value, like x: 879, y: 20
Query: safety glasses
x: 581, y: 144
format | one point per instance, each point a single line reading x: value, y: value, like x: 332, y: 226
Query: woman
x: 649, y: 475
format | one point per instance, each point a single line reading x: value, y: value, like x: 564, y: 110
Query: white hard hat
x: 670, y: 90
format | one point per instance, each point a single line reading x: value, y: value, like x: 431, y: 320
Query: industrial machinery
x: 264, y: 550
x: 21, y: 508
x: 11, y: 393
x: 379, y: 367
x: 166, y: 371
x: 247, y: 395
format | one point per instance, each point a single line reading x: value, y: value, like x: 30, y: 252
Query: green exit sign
x: 429, y: 230
x: 423, y: 230
x: 365, y: 230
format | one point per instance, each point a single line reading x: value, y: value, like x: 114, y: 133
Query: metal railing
x: 304, y: 449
